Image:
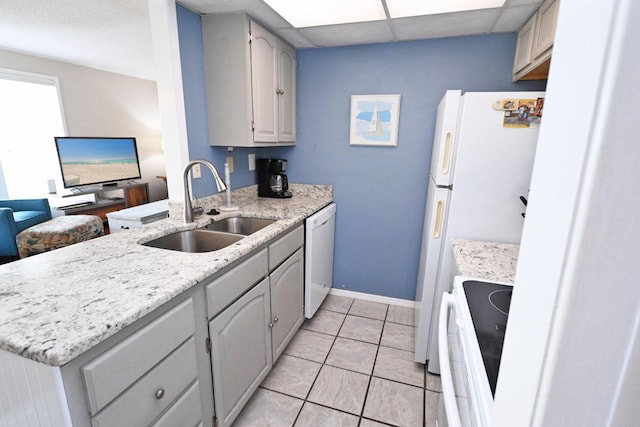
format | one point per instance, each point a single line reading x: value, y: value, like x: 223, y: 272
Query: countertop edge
x: 47, y: 283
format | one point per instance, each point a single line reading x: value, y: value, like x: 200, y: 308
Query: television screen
x: 90, y: 160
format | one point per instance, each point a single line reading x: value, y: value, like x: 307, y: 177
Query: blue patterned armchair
x: 17, y: 215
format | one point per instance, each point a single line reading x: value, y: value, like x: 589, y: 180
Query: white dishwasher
x: 318, y: 264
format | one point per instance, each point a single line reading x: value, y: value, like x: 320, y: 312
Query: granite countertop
x: 486, y: 260
x: 56, y: 305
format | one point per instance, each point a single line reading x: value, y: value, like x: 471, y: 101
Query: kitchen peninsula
x: 66, y: 309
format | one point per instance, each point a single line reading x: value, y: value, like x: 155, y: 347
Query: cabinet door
x: 524, y: 45
x: 135, y: 196
x: 545, y: 27
x: 241, y: 351
x: 287, y: 93
x: 264, y: 79
x: 287, y: 284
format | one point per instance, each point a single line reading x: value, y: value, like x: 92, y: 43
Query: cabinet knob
x: 160, y: 393
x: 271, y: 325
x: 275, y: 320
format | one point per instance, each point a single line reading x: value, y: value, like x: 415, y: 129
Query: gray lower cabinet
x: 240, y: 351
x: 287, y: 298
x: 154, y: 372
x: 230, y: 328
x: 249, y: 335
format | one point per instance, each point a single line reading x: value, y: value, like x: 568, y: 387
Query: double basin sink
x: 212, y: 237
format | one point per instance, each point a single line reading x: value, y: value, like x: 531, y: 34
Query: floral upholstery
x: 57, y: 233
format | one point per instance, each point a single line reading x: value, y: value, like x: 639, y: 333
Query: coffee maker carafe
x: 272, y: 180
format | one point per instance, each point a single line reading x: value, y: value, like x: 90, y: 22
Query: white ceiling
x: 115, y: 35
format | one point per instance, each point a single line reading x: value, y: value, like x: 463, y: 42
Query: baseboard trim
x: 373, y: 298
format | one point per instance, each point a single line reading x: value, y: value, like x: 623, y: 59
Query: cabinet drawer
x: 230, y: 286
x: 284, y: 247
x: 185, y: 412
x: 135, y: 355
x: 140, y: 404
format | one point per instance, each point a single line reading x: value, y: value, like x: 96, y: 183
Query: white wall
x: 99, y: 103
x: 571, y: 352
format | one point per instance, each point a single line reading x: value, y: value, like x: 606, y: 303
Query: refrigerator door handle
x: 446, y: 156
x: 437, y: 227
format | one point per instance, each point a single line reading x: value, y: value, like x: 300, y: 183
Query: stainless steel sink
x: 194, y: 241
x: 239, y: 225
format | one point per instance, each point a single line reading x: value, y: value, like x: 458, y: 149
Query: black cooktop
x: 489, y: 306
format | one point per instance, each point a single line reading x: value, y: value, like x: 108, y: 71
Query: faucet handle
x: 198, y: 211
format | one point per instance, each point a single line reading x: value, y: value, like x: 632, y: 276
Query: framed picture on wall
x: 374, y: 120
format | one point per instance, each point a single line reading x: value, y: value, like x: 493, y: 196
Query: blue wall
x: 380, y: 191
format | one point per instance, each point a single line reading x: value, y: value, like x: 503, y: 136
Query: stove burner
x: 489, y: 307
x: 501, y: 300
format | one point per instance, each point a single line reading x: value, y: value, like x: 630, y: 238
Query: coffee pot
x: 272, y: 180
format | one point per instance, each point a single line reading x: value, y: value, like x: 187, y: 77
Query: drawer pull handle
x: 160, y: 393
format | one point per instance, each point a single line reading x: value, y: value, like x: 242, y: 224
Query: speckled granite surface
x: 486, y: 260
x: 56, y: 305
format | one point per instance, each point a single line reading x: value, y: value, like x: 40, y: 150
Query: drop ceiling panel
x: 256, y: 8
x: 513, y: 18
x: 294, y: 37
x: 445, y: 24
x: 347, y: 34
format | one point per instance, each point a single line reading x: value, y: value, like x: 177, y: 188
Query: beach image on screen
x: 90, y: 161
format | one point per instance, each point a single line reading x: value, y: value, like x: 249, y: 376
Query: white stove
x: 473, y: 321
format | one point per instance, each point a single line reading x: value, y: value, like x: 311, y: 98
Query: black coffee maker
x: 272, y: 180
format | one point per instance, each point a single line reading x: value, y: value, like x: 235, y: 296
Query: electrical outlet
x: 252, y: 162
x: 230, y: 163
x: 195, y: 171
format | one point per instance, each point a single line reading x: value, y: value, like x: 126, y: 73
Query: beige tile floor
x: 351, y: 365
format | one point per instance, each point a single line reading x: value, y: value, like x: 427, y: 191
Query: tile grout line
x: 305, y: 400
x: 371, y: 375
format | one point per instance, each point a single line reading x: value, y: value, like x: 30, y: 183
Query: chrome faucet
x: 188, y: 209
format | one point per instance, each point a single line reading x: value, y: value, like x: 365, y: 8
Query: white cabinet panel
x: 287, y: 95
x: 264, y: 77
x: 287, y: 285
x: 545, y: 27
x: 241, y: 351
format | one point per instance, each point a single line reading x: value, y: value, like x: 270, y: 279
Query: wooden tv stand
x: 132, y: 195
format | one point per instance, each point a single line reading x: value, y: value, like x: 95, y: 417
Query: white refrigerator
x: 479, y: 170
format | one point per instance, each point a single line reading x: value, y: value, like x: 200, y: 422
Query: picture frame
x: 374, y: 120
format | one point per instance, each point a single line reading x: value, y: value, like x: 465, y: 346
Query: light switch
x: 252, y: 162
x: 230, y: 163
x: 195, y: 171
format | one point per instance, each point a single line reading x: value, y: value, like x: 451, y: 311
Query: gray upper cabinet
x: 535, y: 42
x: 250, y: 83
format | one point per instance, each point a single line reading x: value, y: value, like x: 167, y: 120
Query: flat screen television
x: 91, y: 160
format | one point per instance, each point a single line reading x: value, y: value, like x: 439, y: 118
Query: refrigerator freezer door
x: 444, y: 139
x: 430, y: 253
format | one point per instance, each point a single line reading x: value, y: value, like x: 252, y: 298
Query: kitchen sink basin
x: 239, y: 225
x: 194, y: 241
